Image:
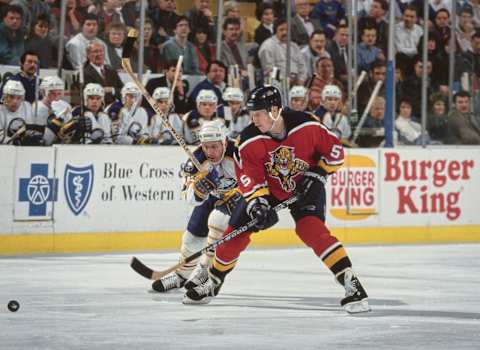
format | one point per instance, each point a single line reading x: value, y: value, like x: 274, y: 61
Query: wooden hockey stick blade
x: 151, y: 274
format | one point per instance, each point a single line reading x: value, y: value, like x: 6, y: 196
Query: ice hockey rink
x: 422, y: 297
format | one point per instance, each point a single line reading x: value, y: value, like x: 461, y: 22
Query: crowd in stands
x: 34, y: 110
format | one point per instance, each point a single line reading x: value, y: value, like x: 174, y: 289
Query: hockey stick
x: 127, y: 49
x: 148, y: 273
x: 375, y: 92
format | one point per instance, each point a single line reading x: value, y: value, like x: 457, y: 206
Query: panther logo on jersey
x: 284, y: 167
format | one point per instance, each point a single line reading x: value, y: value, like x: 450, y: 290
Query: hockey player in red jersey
x: 281, y: 154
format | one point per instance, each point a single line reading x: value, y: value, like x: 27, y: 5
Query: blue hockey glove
x: 260, y: 209
x: 205, y: 183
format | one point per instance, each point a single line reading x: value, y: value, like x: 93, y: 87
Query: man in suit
x: 302, y: 25
x: 96, y: 71
x: 234, y: 52
x: 338, y: 50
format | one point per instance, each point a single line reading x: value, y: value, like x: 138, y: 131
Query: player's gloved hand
x: 206, y: 182
x: 32, y: 138
x: 311, y: 183
x: 259, y: 208
x: 85, y: 125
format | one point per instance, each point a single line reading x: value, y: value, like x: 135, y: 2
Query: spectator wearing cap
x: 464, y: 126
x: 408, y: 33
x: 12, y: 42
x: 77, y: 46
x: 233, y: 51
x: 215, y: 81
x: 315, y: 50
x: 265, y: 15
x: 164, y: 20
x: 40, y: 43
x: 302, y: 25
x: 179, y: 45
x: 28, y: 73
x: 330, y: 13
x: 273, y: 53
x: 204, y: 49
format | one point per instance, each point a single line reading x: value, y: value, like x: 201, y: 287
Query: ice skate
x: 203, y: 293
x: 198, y: 277
x: 169, y: 282
x: 356, y: 299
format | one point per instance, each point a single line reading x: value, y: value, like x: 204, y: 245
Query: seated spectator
x: 437, y: 120
x: 179, y: 45
x: 367, y: 52
x: 377, y: 73
x: 180, y: 100
x: 407, y: 35
x: 14, y: 113
x: 233, y: 51
x: 264, y: 14
x: 215, y: 81
x: 40, y: 43
x: 315, y: 50
x: 201, y: 15
x: 409, y: 131
x: 158, y: 131
x: 109, y: 11
x: 116, y: 33
x: 325, y: 74
x: 12, y: 42
x: 302, y: 25
x: 96, y: 70
x: 330, y: 13
x: 314, y: 99
x: 77, y: 46
x: 376, y: 19
x: 206, y: 109
x: 204, y: 49
x: 236, y: 115
x: 333, y: 117
x: 374, y: 118
x: 464, y: 126
x: 412, y: 86
x: 465, y: 29
x: 152, y: 61
x: 273, y: 53
x: 27, y: 75
x: 297, y: 98
x: 441, y: 26
x: 338, y: 50
x: 94, y: 126
x: 164, y: 20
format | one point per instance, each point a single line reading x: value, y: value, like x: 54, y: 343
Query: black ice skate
x: 203, y: 293
x: 169, y: 282
x: 356, y: 299
x: 198, y: 277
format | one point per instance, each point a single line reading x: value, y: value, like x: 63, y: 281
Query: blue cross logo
x: 38, y: 190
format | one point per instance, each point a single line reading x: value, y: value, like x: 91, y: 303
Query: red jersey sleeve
x: 329, y: 149
x: 250, y: 168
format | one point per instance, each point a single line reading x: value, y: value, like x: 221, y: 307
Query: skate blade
x: 357, y: 307
x: 187, y: 301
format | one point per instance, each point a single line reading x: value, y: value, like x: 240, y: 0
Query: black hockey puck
x: 13, y: 305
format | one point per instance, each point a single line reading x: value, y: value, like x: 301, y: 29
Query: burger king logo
x: 353, y: 194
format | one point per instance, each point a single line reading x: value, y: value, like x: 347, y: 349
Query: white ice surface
x: 423, y: 297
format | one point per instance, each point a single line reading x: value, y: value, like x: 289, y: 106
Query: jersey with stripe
x: 225, y: 169
x: 266, y: 165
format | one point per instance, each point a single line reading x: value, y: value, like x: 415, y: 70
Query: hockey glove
x: 205, y: 183
x: 32, y: 138
x: 259, y: 209
x: 311, y: 183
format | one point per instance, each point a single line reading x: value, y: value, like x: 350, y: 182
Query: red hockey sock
x: 313, y: 232
x: 226, y: 254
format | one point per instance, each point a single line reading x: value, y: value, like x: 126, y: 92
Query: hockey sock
x: 313, y: 232
x: 190, y: 245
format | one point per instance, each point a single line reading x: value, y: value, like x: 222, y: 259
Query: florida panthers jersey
x: 225, y: 169
x: 10, y: 121
x: 266, y: 165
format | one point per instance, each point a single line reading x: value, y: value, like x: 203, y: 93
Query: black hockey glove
x: 206, y: 183
x: 311, y: 184
x: 259, y: 209
x: 32, y: 138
